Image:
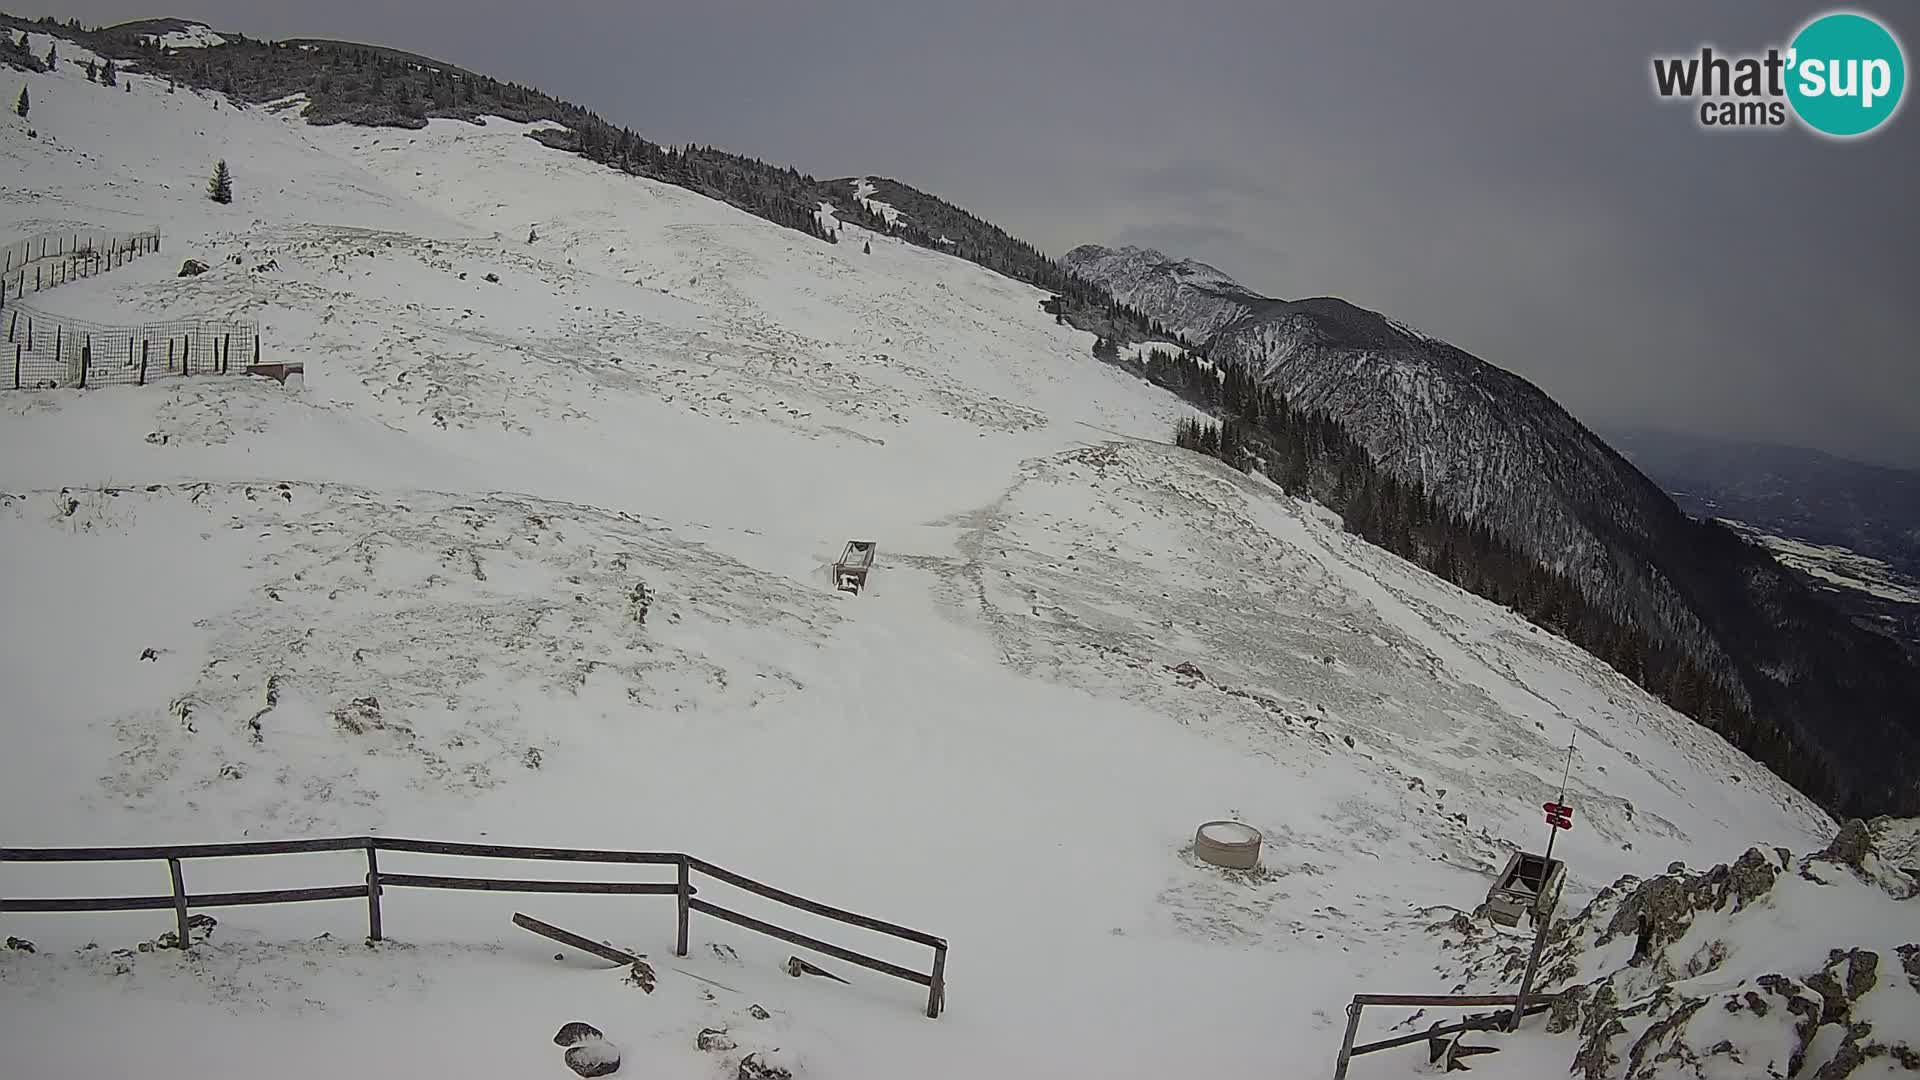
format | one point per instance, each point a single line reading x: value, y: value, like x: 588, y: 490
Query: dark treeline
x: 1313, y: 455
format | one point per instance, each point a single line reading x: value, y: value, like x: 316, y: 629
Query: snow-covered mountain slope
x: 1186, y: 296
x: 1489, y: 444
x: 1493, y: 448
x: 543, y: 561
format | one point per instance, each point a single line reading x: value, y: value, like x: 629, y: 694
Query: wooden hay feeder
x: 1528, y: 887
x: 278, y: 371
x: 850, y: 573
x: 1230, y: 844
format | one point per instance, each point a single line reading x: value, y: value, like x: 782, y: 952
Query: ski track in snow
x: 451, y: 518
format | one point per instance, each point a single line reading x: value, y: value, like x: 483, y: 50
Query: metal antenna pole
x: 1533, y: 962
x: 1553, y: 831
x: 1546, y: 921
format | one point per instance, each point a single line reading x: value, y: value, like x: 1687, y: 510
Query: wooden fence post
x: 58, y: 332
x: 1346, y: 1044
x: 86, y: 360
x: 256, y: 348
x: 937, y: 990
x: 373, y: 891
x: 686, y: 891
x: 143, y: 361
x: 169, y: 354
x: 12, y: 324
x: 179, y: 901
x: 226, y: 352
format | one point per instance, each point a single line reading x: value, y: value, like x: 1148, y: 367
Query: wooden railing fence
x: 682, y: 888
x: 1513, y: 1002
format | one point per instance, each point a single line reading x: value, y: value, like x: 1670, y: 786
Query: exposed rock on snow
x: 753, y: 1067
x: 1769, y: 966
x: 593, y: 1057
x: 192, y: 268
x: 576, y: 1031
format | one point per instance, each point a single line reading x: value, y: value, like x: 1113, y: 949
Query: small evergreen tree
x: 867, y: 248
x: 53, y: 56
x: 220, y: 190
x: 93, y: 73
x: 21, y: 106
x: 109, y: 75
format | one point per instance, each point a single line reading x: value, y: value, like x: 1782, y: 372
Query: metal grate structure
x: 51, y: 352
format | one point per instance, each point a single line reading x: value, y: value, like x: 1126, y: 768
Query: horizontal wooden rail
x: 1435, y: 999
x: 183, y: 851
x: 805, y: 904
x: 815, y: 944
x: 162, y: 903
x: 507, y: 851
x: 625, y: 888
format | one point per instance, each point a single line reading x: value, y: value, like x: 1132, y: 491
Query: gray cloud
x: 1497, y: 173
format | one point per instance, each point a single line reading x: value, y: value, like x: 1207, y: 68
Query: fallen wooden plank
x: 567, y: 937
x: 797, y: 967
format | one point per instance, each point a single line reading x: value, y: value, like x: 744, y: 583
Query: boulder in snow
x: 752, y: 1068
x: 595, y: 1057
x: 575, y: 1031
x: 192, y: 268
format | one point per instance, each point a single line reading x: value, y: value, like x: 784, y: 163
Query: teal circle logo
x: 1846, y: 74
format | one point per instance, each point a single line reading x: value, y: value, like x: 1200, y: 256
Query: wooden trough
x: 278, y: 370
x: 850, y: 573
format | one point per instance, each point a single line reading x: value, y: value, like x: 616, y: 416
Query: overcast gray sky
x: 1496, y: 172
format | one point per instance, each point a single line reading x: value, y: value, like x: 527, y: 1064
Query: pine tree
x: 867, y: 248
x: 220, y: 189
x: 21, y: 106
x: 93, y: 73
x: 53, y: 56
x: 109, y: 74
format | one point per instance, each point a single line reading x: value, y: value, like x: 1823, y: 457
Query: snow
x: 1837, y: 566
x: 194, y: 36
x: 863, y: 190
x: 454, y: 513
